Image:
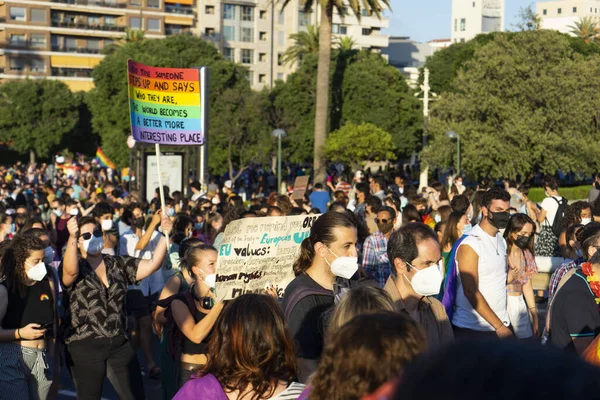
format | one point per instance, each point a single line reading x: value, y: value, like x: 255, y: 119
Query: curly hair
x: 573, y: 213
x: 251, y: 347
x: 12, y: 266
x: 374, y: 348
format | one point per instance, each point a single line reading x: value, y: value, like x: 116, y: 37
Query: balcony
x: 97, y: 27
x: 22, y: 45
x: 80, y: 50
x: 93, y: 3
x: 72, y: 72
x: 177, y: 31
x: 179, y: 10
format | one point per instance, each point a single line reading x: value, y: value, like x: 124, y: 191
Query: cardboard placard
x: 300, y: 187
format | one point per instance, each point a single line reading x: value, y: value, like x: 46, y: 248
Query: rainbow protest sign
x: 165, y: 104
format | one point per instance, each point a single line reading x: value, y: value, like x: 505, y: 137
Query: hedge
x: 571, y: 193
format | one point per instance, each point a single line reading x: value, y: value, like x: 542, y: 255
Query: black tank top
x: 36, y: 307
x: 189, y: 347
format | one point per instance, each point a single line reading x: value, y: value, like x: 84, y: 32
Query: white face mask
x: 427, y: 281
x: 344, y: 267
x: 437, y: 218
x: 94, y: 245
x: 37, y: 272
x: 58, y: 213
x: 74, y: 212
x: 48, y: 255
x: 107, y: 224
x: 210, y: 280
x: 585, y: 221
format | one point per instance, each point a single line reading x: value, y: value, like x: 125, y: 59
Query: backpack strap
x: 300, y: 294
x: 53, y: 282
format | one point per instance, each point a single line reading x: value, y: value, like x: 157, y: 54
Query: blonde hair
x: 366, y: 299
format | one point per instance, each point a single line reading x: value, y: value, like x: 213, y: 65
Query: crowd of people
x: 398, y: 292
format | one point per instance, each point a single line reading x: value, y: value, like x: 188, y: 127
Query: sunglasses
x: 382, y: 221
x: 88, y: 236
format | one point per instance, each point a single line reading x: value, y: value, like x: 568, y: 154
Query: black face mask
x: 522, y: 241
x: 499, y: 219
x: 139, y: 222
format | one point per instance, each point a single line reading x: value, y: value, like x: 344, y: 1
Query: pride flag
x: 105, y: 161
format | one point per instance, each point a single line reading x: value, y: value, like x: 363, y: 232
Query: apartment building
x: 256, y: 33
x: 63, y: 39
x: 562, y: 15
x: 472, y: 17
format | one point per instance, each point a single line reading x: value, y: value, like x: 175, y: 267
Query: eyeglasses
x: 382, y: 221
x: 88, y: 236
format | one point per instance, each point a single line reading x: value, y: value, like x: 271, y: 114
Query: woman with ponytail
x: 327, y: 258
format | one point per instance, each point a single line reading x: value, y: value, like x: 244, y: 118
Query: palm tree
x: 304, y: 43
x: 587, y: 29
x: 326, y: 8
x: 345, y: 44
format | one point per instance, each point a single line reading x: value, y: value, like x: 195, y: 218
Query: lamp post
x: 279, y: 134
x: 453, y: 135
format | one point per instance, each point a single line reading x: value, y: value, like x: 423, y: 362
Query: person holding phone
x: 27, y: 321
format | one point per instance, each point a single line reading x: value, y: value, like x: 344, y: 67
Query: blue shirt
x: 319, y: 200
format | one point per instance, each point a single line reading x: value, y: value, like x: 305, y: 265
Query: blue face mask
x: 171, y: 212
x: 198, y: 226
x: 579, y: 253
x: 13, y: 228
x: 467, y: 229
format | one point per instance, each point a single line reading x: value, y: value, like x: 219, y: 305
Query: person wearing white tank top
x: 481, y: 261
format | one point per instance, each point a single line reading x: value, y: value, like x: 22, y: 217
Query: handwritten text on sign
x: 259, y: 251
x: 165, y: 104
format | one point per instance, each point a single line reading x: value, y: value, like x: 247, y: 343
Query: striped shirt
x: 291, y: 393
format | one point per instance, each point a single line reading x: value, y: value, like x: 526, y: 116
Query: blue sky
x: 424, y: 20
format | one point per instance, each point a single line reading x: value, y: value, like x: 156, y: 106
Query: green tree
x: 305, y: 42
x: 323, y: 71
x: 524, y: 103
x: 35, y: 115
x: 528, y: 19
x: 354, y: 145
x: 109, y: 103
x: 587, y: 29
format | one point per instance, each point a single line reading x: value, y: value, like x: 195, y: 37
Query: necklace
x: 592, y: 279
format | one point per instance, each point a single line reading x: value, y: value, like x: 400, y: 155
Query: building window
x: 462, y: 40
x: 210, y: 10
x: 303, y: 18
x: 279, y: 59
x: 473, y: 4
x: 210, y: 32
x: 70, y: 44
x: 262, y: 57
x: 153, y: 3
x: 229, y: 54
x: 262, y: 36
x: 335, y: 28
x: 37, y: 15
x: 250, y: 77
x: 16, y: 64
x: 365, y: 13
x: 135, y: 3
x: 343, y: 29
x: 229, y: 33
x: 545, y: 12
x: 135, y: 23
x: 463, y: 24
x: 93, y: 20
x: 93, y: 45
x: 108, y: 42
x: 228, y: 11
x: 247, y: 35
x: 17, y: 14
x: 247, y: 13
x: 109, y: 20
x: 153, y: 24
x: 17, y: 39
x: 262, y: 78
x: 247, y: 56
x: 37, y: 65
x: 560, y: 10
x: 366, y: 31
x: 38, y: 40
x: 455, y: 25
x: 574, y: 10
x: 280, y: 76
x: 280, y: 38
x: 263, y: 14
x: 281, y: 18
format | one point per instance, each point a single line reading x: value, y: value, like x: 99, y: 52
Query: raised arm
x: 70, y: 265
x: 145, y: 239
x: 148, y: 267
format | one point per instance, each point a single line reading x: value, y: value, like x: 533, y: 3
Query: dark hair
x: 395, y: 201
x: 460, y: 202
x: 32, y: 221
x: 573, y: 213
x: 192, y: 256
x: 550, y: 182
x: 12, y: 266
x: 374, y: 202
x: 439, y: 187
x: 451, y: 234
x: 403, y: 243
x: 363, y: 187
x: 410, y: 214
x: 273, y: 209
x: 477, y: 201
x: 389, y: 210
x: 59, y: 200
x: 187, y: 244
x: 589, y: 236
x: 182, y: 221
x: 515, y: 224
x: 87, y: 220
x: 251, y: 347
x: 195, y: 185
x: 337, y: 206
x: 529, y: 372
x: 444, y: 212
x: 35, y: 232
x: 375, y: 348
x: 380, y: 181
x: 128, y: 213
x: 494, y: 194
x: 570, y: 234
x: 321, y: 231
x: 318, y: 185
x: 102, y: 208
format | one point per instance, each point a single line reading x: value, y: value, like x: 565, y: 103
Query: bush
x: 570, y: 193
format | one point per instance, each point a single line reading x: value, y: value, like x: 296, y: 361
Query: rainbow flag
x: 104, y: 161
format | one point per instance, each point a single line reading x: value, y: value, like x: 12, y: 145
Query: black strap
x: 300, y: 294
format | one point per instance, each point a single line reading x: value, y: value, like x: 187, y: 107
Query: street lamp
x: 279, y: 134
x: 453, y: 135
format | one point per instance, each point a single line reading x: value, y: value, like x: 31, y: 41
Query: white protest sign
x: 259, y: 251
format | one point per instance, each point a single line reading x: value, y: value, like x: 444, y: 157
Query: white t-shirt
x: 551, y: 206
x: 492, y: 281
x: 127, y: 242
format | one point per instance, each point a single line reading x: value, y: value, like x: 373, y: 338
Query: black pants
x: 92, y: 360
x: 469, y: 334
